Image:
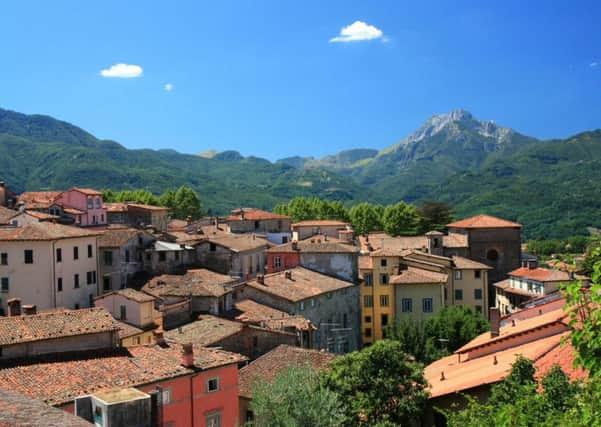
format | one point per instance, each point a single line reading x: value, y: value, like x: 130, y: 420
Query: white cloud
x: 593, y: 64
x: 122, y: 71
x: 358, y: 31
x: 169, y: 87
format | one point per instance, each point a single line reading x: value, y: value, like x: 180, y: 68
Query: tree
x: 434, y: 216
x: 295, y: 397
x: 380, y: 384
x: 364, y: 218
x: 400, y: 220
x: 186, y: 202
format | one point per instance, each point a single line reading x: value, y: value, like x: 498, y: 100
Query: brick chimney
x: 187, y: 355
x: 495, y: 322
x: 288, y: 275
x: 29, y: 309
x: 14, y: 307
x: 159, y: 338
x: 260, y: 279
x: 294, y: 245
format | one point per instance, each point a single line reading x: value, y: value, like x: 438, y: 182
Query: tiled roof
x: 320, y: 223
x: 130, y: 294
x: 465, y: 263
x: 206, y: 331
x: 303, y: 284
x: 126, y: 330
x: 540, y: 274
x: 521, y: 326
x: 298, y: 322
x: 184, y: 237
x: 454, y: 240
x: 38, y: 199
x: 87, y: 191
x: 269, y: 365
x: 56, y: 324
x: 40, y: 231
x: 251, y: 214
x: 115, y: 207
x: 238, y: 242
x: 73, y: 211
x: 365, y: 262
x: 60, y: 378
x: 148, y: 207
x: 177, y: 224
x: 42, y: 216
x: 562, y: 355
x: 17, y: 410
x: 484, y: 221
x: 413, y: 275
x: 506, y: 286
x: 315, y: 244
x: 254, y: 312
x: 117, y: 237
x: 6, y: 214
x: 196, y: 283
x: 388, y: 252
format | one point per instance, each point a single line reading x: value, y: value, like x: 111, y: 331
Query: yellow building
x: 415, y: 284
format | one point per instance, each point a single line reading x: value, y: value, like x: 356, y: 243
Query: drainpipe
x: 191, y: 400
x: 54, y: 272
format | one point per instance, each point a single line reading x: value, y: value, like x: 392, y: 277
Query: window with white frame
x: 458, y: 274
x: 214, y: 420
x: 212, y: 384
x: 277, y: 262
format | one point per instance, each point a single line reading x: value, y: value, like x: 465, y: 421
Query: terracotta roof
x: 303, y: 284
x: 562, y: 355
x: 207, y: 331
x: 6, y: 214
x: 395, y: 244
x: 40, y: 231
x: 38, y: 199
x: 130, y: 294
x: 117, y: 237
x: 17, y: 410
x: 251, y: 214
x: 87, y: 191
x: 184, y: 237
x: 484, y: 221
x: 56, y: 324
x: 196, y: 283
x: 390, y: 252
x: 177, y: 224
x: 73, y: 211
x: 126, y: 330
x: 297, y: 322
x: 454, y: 240
x: 315, y: 244
x: 42, y: 216
x: 115, y: 207
x: 147, y: 207
x: 59, y: 379
x: 238, y: 242
x: 521, y: 326
x: 321, y: 223
x: 465, y: 263
x: 254, y: 312
x: 413, y: 276
x: 365, y: 262
x: 269, y: 365
x: 506, y: 286
x: 541, y: 274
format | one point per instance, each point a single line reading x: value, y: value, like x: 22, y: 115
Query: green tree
x: 186, y: 202
x: 379, y: 384
x: 364, y: 218
x: 400, y: 220
x: 434, y: 216
x: 294, y: 398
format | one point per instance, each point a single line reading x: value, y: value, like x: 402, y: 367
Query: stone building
x: 331, y: 304
x: 235, y: 255
x: 275, y: 227
x: 305, y: 229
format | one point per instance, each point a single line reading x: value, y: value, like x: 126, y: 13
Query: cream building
x: 48, y: 265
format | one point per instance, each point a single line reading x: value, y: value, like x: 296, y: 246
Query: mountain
x: 476, y: 166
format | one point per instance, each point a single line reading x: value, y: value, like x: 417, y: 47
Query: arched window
x: 492, y: 255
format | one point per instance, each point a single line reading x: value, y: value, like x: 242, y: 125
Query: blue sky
x: 265, y: 78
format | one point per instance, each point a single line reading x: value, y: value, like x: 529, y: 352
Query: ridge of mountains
x: 551, y: 186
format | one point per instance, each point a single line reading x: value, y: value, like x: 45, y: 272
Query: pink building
x: 88, y: 202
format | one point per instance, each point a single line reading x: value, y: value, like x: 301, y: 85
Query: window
x: 98, y: 415
x: 162, y: 256
x: 478, y: 293
x: 367, y: 319
x: 384, y: 319
x: 458, y: 294
x: 427, y: 305
x: 59, y: 284
x: 284, y: 239
x: 406, y: 305
x: 301, y: 306
x: 477, y: 274
x: 492, y: 255
x: 257, y: 225
x: 383, y: 300
x: 255, y: 341
x: 4, y: 284
x: 89, y: 277
x: 75, y: 252
x: 176, y: 256
x: 106, y: 283
x: 368, y: 301
x: 214, y: 420
x: 90, y: 251
x: 98, y: 204
x: 28, y: 253
x: 383, y: 262
x: 76, y: 281
x: 4, y: 258
x: 344, y: 320
x: 123, y: 312
x: 93, y: 277
x: 59, y: 255
x: 384, y: 279
x: 101, y: 217
x: 368, y: 278
x: 90, y: 203
x: 212, y: 247
x: 166, y: 396
x: 277, y: 262
x: 368, y: 332
x: 76, y: 306
x: 479, y: 309
x: 312, y: 302
x: 91, y: 300
x: 213, y: 384
x: 458, y: 274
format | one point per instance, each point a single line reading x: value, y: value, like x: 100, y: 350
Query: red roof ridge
x: 484, y: 221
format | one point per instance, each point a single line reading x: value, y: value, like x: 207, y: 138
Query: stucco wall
x: 344, y: 266
x: 60, y: 345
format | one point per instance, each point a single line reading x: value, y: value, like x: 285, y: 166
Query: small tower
x: 435, y: 242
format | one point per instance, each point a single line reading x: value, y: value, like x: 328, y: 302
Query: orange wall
x: 289, y: 260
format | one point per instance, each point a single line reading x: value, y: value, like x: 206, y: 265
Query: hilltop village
x: 117, y: 314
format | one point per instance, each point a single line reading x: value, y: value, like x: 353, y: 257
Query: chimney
x: 242, y: 213
x: 288, y: 275
x: 294, y: 245
x: 188, y: 220
x: 14, y: 307
x: 159, y: 338
x: 187, y: 355
x: 495, y: 322
x: 260, y: 279
x: 532, y: 264
x: 29, y: 309
x: 325, y: 238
